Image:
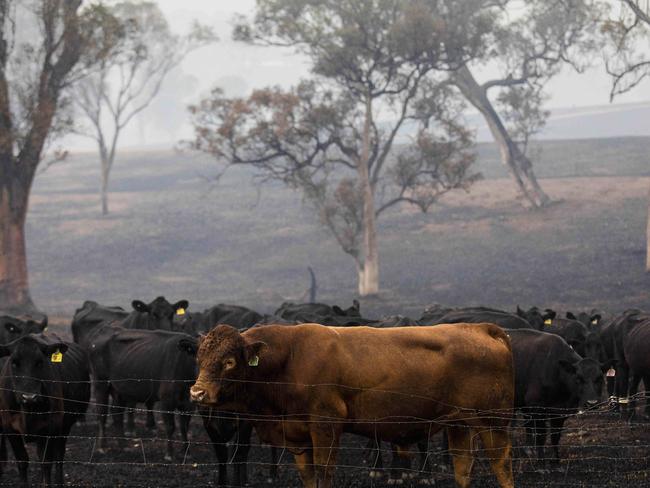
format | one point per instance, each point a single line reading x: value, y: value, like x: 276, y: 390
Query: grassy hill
x: 172, y: 232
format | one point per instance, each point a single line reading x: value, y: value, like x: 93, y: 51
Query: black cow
x: 157, y: 315
x: 551, y: 382
x: 535, y: 317
x: 395, y: 321
x: 45, y: 390
x: 586, y: 342
x: 625, y: 342
x: 321, y: 313
x: 477, y: 315
x: 12, y: 328
x: 225, y: 427
x: 144, y: 366
x: 433, y: 313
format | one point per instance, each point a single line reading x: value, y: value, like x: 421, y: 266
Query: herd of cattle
x: 301, y: 385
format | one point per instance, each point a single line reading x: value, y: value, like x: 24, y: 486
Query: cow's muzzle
x: 27, y: 398
x: 197, y: 394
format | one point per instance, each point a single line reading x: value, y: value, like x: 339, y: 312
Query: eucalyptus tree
x: 529, y: 44
x: 130, y: 78
x: 373, y: 66
x: 627, y: 60
x: 45, y: 46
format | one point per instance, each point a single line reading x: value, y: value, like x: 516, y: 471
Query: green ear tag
x: 254, y: 361
x: 57, y: 357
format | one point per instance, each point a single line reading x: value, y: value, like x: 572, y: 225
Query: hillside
x: 172, y: 232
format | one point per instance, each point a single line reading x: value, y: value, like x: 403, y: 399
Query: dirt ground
x: 597, y: 450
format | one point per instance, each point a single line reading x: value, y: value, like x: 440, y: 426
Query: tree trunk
x: 14, y: 283
x: 647, y: 241
x: 104, y: 190
x: 519, y: 165
x: 369, y: 270
x: 106, y: 161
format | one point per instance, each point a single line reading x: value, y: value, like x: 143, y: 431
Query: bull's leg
x: 45, y: 448
x: 3, y: 452
x: 325, y: 442
x: 646, y: 388
x: 151, y: 420
x: 273, y: 468
x: 170, y: 426
x: 242, y: 447
x: 374, y: 458
x: 539, y: 425
x: 460, y: 447
x: 184, y: 418
x: 425, y: 467
x: 399, y: 467
x: 305, y: 467
x: 498, y: 447
x: 101, y: 396
x: 220, y: 450
x: 118, y: 419
x: 59, y: 454
x: 556, y: 431
x: 130, y: 419
x: 20, y: 453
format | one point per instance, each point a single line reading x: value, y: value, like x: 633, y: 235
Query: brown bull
x: 303, y: 386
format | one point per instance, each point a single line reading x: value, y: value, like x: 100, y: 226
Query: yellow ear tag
x: 180, y: 311
x: 57, y: 357
x: 254, y: 361
x: 548, y: 322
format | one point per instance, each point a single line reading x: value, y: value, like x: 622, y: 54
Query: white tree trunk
x: 518, y: 164
x: 369, y: 271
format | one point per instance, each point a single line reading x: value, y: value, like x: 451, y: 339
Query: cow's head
x: 31, y: 364
x: 159, y: 314
x: 535, y: 317
x: 225, y: 359
x: 584, y: 379
x: 12, y: 328
x: 353, y: 311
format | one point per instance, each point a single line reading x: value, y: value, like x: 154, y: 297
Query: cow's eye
x: 15, y: 364
x: 229, y: 364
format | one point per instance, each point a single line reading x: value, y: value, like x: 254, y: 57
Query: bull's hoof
x: 375, y: 474
x: 427, y: 481
x: 393, y: 481
x: 270, y: 481
x: 168, y: 458
x: 101, y: 450
x: 129, y: 433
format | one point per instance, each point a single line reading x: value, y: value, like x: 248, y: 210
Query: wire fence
x: 598, y: 447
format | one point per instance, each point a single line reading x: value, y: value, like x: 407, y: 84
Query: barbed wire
x: 618, y: 452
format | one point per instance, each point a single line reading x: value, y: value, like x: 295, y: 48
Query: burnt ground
x: 596, y: 450
x: 170, y: 232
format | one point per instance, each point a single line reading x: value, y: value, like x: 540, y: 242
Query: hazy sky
x: 238, y: 68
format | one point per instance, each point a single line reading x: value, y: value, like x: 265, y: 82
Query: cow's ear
x: 189, y: 346
x: 520, y: 312
x: 549, y: 314
x: 570, y: 316
x: 253, y: 352
x: 356, y: 305
x: 595, y: 319
x: 181, y: 305
x: 568, y: 366
x: 139, y: 306
x: 43, y: 324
